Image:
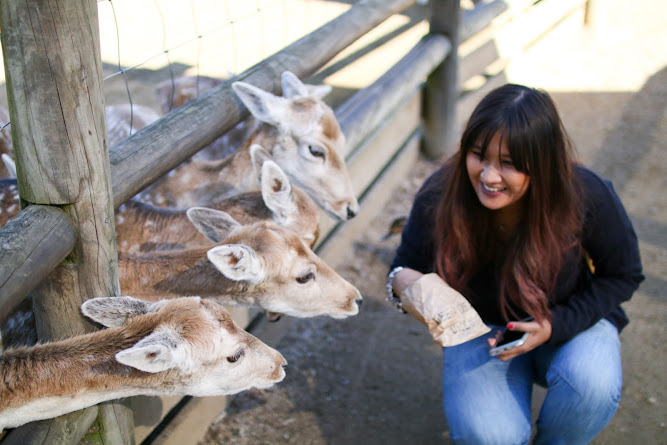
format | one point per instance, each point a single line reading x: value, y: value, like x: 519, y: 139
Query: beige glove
x: 450, y: 318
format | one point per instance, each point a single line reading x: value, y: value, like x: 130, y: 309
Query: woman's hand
x: 539, y: 333
x: 405, y: 278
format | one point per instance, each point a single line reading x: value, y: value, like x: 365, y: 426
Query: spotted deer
x: 142, y: 227
x: 258, y: 265
x: 9, y: 200
x: 186, y: 346
x: 126, y: 119
x: 303, y: 137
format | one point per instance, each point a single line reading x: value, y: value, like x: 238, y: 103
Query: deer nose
x: 359, y: 301
x: 351, y: 213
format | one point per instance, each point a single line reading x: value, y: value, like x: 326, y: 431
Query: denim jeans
x: 487, y: 401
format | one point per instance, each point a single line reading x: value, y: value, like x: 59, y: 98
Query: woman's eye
x: 316, y: 151
x: 508, y: 162
x: 305, y: 278
x: 476, y: 153
x: 234, y: 358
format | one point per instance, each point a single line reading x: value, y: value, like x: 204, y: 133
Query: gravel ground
x: 375, y: 378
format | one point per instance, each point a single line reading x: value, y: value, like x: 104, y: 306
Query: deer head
x: 280, y: 273
x: 310, y: 144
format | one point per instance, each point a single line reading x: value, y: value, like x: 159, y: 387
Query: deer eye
x: 234, y: 358
x: 316, y: 151
x: 305, y: 278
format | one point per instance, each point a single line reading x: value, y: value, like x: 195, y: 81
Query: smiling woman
x: 508, y: 221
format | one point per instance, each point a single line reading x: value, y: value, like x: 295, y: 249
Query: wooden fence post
x: 54, y: 86
x: 441, y: 90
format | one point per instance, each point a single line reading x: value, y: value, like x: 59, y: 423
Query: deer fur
x: 143, y: 227
x: 187, y: 346
x: 6, y: 145
x: 259, y: 265
x: 9, y: 200
x: 172, y: 94
x: 124, y: 120
x: 303, y: 137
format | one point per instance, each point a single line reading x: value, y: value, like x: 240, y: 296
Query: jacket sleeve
x: 416, y: 248
x: 611, y: 242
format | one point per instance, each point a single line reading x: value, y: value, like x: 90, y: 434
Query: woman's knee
x: 597, y: 387
x: 492, y: 432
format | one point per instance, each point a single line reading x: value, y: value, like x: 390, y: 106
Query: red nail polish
x: 510, y: 325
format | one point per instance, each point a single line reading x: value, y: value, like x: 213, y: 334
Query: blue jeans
x: 487, y: 401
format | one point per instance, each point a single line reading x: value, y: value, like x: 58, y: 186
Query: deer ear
x: 237, y: 262
x: 263, y: 105
x: 258, y: 156
x: 292, y: 86
x: 277, y: 192
x: 10, y: 164
x: 318, y: 91
x: 159, y: 351
x: 215, y: 225
x: 115, y: 311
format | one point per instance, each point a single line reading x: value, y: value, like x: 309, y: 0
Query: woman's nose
x: 490, y: 174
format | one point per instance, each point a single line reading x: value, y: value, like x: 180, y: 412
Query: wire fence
x: 148, y: 42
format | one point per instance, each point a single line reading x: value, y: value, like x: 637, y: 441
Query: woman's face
x: 497, y: 183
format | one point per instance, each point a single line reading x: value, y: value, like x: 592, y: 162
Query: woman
x: 521, y: 230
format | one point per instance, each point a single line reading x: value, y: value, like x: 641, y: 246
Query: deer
x: 260, y: 265
x: 142, y: 227
x: 126, y: 119
x: 185, y: 346
x: 6, y: 146
x: 9, y: 200
x: 303, y: 137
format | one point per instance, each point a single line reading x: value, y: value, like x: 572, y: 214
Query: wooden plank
x: 372, y: 156
x: 77, y: 425
x: 31, y: 246
x: 155, y: 150
x: 54, y: 89
x: 519, y: 27
x: 367, y: 162
x: 441, y: 90
x: 374, y: 199
x: 476, y: 19
x: 366, y: 109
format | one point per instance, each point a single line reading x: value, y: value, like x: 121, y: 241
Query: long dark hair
x: 529, y: 262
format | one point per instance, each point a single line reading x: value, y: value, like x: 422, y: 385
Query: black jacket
x: 580, y: 298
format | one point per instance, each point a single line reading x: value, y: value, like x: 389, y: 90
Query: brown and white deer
x: 9, y: 200
x: 258, y: 265
x: 187, y: 346
x: 126, y: 119
x: 303, y: 137
x: 142, y: 227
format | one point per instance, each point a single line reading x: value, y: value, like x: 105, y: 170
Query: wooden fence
x: 61, y: 247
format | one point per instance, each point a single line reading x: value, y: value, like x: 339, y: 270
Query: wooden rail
x: 54, y: 88
x: 33, y: 244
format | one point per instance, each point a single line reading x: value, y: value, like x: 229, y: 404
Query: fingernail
x: 510, y: 325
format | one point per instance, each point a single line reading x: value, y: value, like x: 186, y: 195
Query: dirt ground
x: 375, y: 378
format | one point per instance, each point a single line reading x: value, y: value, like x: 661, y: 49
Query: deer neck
x: 182, y: 273
x: 48, y: 380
